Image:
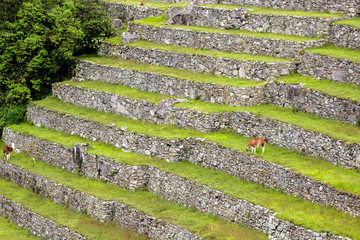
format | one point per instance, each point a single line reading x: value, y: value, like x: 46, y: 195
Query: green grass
x: 198, y: 51
x: 205, y: 225
x: 148, y: 3
x: 336, y: 129
x: 355, y: 22
x: 339, y: 90
x: 170, y: 72
x: 63, y: 216
x: 9, y: 231
x: 272, y: 11
x: 160, y: 22
x: 313, y: 167
x: 299, y: 211
x: 337, y: 52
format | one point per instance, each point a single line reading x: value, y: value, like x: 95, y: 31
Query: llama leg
x: 263, y: 150
x: 254, y: 150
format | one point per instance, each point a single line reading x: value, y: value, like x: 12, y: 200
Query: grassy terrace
x: 272, y: 11
x: 340, y: 90
x: 160, y: 22
x: 330, y: 127
x: 170, y: 72
x: 296, y: 210
x: 197, y: 51
x: 9, y: 231
x: 313, y: 167
x: 148, y: 3
x: 203, y: 224
x: 355, y: 22
x: 63, y: 216
x: 337, y: 52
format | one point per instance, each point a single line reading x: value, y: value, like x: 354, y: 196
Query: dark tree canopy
x: 38, y: 41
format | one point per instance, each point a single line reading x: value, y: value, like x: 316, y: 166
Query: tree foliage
x: 37, y: 43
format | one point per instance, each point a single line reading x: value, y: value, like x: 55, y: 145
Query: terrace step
x: 323, y: 98
x: 254, y: 67
x: 301, y: 129
x: 257, y: 20
x: 87, y: 196
x: 182, y: 145
x: 50, y: 220
x: 236, y: 41
x: 129, y: 10
x: 333, y: 63
x: 10, y: 231
x: 175, y: 188
x: 350, y: 7
x: 346, y: 33
x: 135, y: 175
x: 38, y: 225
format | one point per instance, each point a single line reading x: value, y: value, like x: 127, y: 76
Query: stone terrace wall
x: 288, y: 25
x: 127, y: 12
x: 312, y: 101
x: 152, y: 82
x: 229, y: 42
x: 278, y: 133
x: 335, y: 69
x: 38, y: 225
x: 347, y: 6
x: 189, y: 194
x: 345, y: 36
x: 304, y: 99
x: 102, y: 210
x: 203, y: 153
x: 257, y: 71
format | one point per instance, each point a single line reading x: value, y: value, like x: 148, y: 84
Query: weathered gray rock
x: 200, y: 63
x: 37, y: 224
x: 128, y: 12
x: 127, y: 37
x: 223, y: 42
x: 117, y: 23
x: 102, y: 210
x: 190, y: 194
x: 303, y: 99
x: 325, y: 67
x: 345, y: 36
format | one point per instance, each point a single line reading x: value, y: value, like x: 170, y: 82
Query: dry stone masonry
x: 37, y: 224
x: 102, y: 210
x: 280, y: 24
x: 279, y: 94
x: 350, y: 7
x: 205, y: 154
x: 222, y: 41
x: 152, y: 82
x: 325, y: 67
x: 345, y: 36
x: 182, y: 191
x: 285, y: 135
x: 127, y: 12
x: 237, y: 68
